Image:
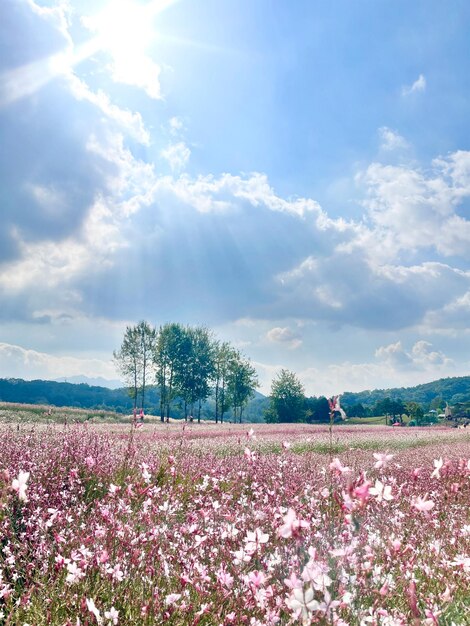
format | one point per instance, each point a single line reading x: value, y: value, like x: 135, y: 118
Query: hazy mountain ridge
x: 97, y: 381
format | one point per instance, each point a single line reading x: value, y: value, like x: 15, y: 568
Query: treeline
x: 67, y: 394
x: 188, y: 366
x: 433, y: 395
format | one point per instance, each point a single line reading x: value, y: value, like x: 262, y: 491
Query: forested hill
x: 451, y: 390
x: 93, y: 397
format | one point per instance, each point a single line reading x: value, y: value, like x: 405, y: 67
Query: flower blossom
x: 337, y: 467
x: 382, y: 460
x: 19, y: 485
x: 381, y: 491
x: 92, y: 608
x: 303, y: 603
x: 112, y: 615
x: 292, y: 525
x: 422, y: 505
x: 438, y: 463
x: 74, y: 573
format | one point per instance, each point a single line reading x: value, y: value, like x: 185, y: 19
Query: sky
x: 293, y: 175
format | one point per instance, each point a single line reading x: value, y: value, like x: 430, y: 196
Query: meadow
x: 190, y: 524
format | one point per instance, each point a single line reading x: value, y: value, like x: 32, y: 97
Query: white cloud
x: 131, y: 122
x: 18, y: 362
x: 177, y: 155
x: 410, y: 209
x: 284, y: 335
x: 421, y: 357
x: 418, y: 86
x: 176, y: 125
x: 140, y: 72
x: 391, y: 140
x: 212, y: 194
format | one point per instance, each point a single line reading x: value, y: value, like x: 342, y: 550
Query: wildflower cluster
x: 106, y: 528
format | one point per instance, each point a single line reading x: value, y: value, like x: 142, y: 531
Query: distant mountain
x: 451, y: 390
x: 99, y: 381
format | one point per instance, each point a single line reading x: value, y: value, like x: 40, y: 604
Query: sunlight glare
x: 123, y: 28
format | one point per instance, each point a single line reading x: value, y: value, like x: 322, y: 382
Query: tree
x: 241, y: 384
x: 171, y: 347
x: 194, y: 373
x: 357, y: 410
x: 147, y: 337
x: 389, y: 407
x: 287, y: 399
x: 317, y: 409
x: 224, y: 357
x: 415, y: 411
x: 128, y: 361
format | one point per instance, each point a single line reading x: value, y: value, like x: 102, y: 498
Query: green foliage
x: 134, y: 359
x: 287, y: 399
x: 451, y: 390
x: 241, y: 384
x: 317, y: 409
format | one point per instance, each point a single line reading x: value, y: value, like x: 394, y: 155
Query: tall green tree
x: 241, y: 384
x: 147, y: 337
x: 224, y: 358
x: 287, y: 399
x: 195, y: 371
x: 171, y: 349
x: 128, y: 361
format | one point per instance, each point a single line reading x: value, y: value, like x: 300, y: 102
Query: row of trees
x: 393, y: 409
x: 186, y: 363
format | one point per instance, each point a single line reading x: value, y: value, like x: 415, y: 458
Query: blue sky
x: 295, y: 175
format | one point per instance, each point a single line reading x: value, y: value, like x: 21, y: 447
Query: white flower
x: 381, y: 491
x: 422, y: 505
x: 303, y: 603
x: 438, y: 463
x: 74, y: 573
x: 112, y: 615
x: 92, y: 608
x: 19, y: 485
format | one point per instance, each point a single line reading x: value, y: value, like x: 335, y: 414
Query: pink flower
x: 338, y: 468
x: 422, y: 505
x: 382, y: 460
x: 224, y: 578
x: 257, y: 578
x: 292, y: 525
x: 361, y: 492
x: 293, y: 582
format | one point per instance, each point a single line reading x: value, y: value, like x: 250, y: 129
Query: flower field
x: 228, y: 525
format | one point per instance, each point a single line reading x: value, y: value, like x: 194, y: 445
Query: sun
x: 124, y: 28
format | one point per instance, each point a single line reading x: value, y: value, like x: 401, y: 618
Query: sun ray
x: 122, y: 29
